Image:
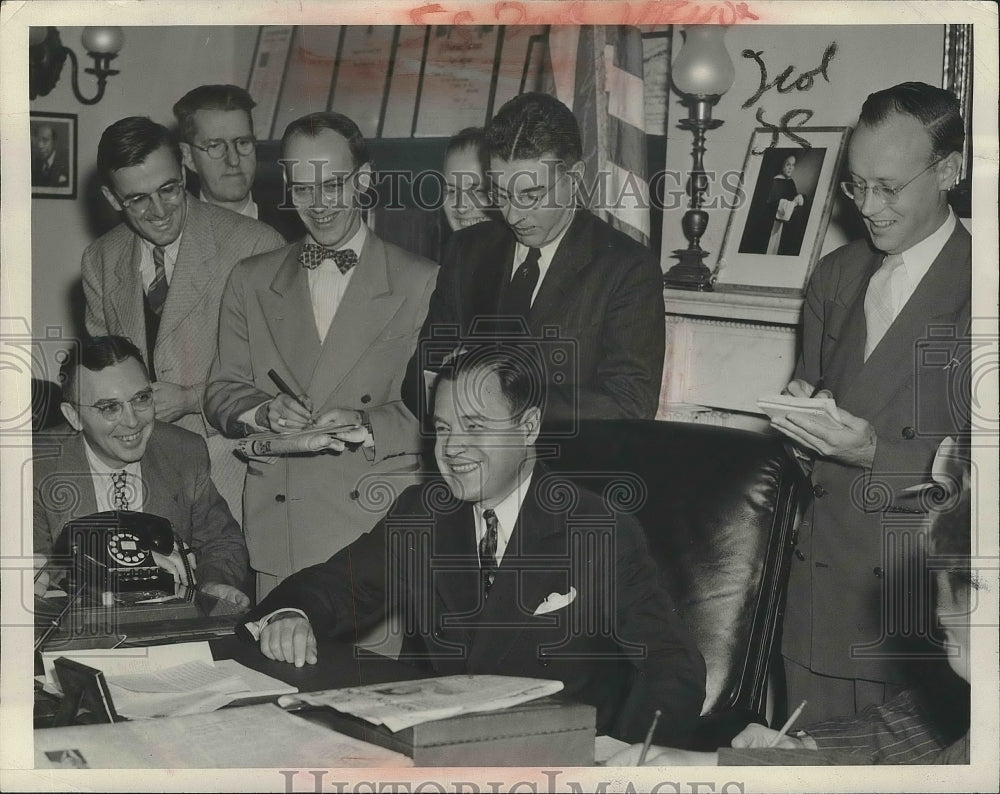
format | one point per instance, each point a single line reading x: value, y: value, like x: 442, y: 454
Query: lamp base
x: 690, y: 272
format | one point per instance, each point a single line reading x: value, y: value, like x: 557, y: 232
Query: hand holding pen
x: 288, y: 412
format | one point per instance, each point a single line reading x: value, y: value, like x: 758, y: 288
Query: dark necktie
x: 120, y: 495
x: 312, y: 255
x: 488, y: 551
x: 157, y: 294
x: 517, y: 298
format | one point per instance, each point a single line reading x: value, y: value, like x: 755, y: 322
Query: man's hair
x: 210, y: 97
x: 95, y: 354
x: 313, y: 123
x: 950, y: 520
x: 129, y: 141
x: 937, y: 109
x: 518, y: 367
x: 533, y: 125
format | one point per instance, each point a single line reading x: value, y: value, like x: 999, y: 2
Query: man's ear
x: 187, y: 160
x: 364, y: 178
x: 949, y: 171
x: 115, y: 204
x: 576, y: 173
x: 531, y: 420
x: 72, y: 415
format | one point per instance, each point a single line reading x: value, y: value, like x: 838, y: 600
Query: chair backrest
x: 719, y: 508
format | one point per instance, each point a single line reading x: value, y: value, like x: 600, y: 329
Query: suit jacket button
x: 355, y: 495
x: 800, y: 555
x: 279, y: 497
x: 877, y: 570
x: 819, y: 491
x: 909, y: 433
x: 366, y: 398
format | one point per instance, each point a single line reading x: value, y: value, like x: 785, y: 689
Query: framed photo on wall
x: 782, y: 209
x: 53, y: 155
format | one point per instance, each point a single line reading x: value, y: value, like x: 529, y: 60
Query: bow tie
x: 312, y: 254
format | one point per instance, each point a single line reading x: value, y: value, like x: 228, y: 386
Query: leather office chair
x: 45, y: 399
x: 719, y: 508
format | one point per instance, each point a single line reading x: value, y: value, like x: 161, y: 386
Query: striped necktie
x: 880, y: 310
x: 157, y: 294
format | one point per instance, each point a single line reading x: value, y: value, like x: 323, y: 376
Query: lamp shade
x: 703, y: 66
x: 105, y: 41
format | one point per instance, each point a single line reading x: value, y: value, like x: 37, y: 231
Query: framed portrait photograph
x: 53, y: 155
x: 782, y: 209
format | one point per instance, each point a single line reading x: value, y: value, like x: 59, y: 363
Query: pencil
x: 788, y: 723
x: 649, y: 738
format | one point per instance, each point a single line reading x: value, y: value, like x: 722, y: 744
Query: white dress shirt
x: 917, y: 260
x: 147, y: 268
x: 327, y: 284
x: 249, y: 209
x: 507, y: 511
x: 546, y: 252
x: 104, y: 489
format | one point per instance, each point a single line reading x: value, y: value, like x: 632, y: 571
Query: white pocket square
x: 554, y: 601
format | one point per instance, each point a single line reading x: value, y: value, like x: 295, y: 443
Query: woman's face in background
x: 465, y: 189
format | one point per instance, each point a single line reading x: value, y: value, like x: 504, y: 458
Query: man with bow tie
x: 500, y: 566
x: 884, y: 321
x: 335, y: 316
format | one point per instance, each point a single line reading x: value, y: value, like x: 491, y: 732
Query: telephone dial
x: 112, y: 551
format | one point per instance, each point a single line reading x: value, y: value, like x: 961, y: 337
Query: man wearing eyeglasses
x: 335, y: 316
x: 885, y: 323
x: 215, y: 127
x: 158, y: 277
x: 121, y: 458
x: 558, y: 268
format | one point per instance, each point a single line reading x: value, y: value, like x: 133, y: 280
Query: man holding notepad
x: 883, y: 327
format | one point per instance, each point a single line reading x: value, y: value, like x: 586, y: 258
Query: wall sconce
x: 701, y: 74
x: 46, y: 56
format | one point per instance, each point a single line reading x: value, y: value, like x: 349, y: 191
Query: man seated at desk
x: 499, y: 566
x: 121, y: 458
x: 925, y: 725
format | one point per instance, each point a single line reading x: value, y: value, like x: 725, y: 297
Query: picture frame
x: 53, y: 155
x: 781, y: 209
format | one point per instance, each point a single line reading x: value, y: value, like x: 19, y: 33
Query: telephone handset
x: 113, y: 551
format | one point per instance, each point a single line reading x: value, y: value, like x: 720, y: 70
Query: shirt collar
x: 918, y: 258
x: 546, y: 252
x: 507, y: 510
x: 356, y: 243
x: 98, y: 466
x: 169, y: 251
x: 249, y: 208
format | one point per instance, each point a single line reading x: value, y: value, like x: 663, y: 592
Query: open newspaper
x: 404, y: 704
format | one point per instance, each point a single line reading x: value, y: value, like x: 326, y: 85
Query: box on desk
x: 538, y: 733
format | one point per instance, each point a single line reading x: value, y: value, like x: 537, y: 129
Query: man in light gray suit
x: 158, y: 277
x: 336, y: 316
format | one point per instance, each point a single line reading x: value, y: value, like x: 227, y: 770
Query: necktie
x: 120, y: 495
x: 312, y: 255
x: 157, y: 293
x: 517, y: 298
x: 488, y: 551
x: 880, y: 310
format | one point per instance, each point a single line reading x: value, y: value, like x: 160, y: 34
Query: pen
x: 788, y: 723
x: 818, y: 388
x: 286, y: 389
x: 649, y: 738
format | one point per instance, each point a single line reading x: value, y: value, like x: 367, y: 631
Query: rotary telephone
x: 112, y: 551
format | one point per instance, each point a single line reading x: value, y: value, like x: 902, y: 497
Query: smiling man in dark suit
x: 557, y: 266
x: 500, y: 566
x: 869, y: 307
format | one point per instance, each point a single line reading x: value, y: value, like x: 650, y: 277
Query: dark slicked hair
x: 473, y: 138
x: 95, y: 354
x: 950, y: 519
x: 210, y: 97
x: 129, y: 142
x: 937, y: 109
x: 518, y: 366
x: 313, y: 123
x: 533, y: 125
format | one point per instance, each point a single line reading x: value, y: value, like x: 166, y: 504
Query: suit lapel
x: 157, y: 473
x: 289, y: 316
x: 366, y: 308
x: 455, y: 577
x: 486, y: 281
x: 73, y: 461
x: 574, y: 253
x: 192, y: 273
x: 125, y: 293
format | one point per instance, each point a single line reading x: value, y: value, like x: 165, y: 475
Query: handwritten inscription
x: 784, y: 127
x: 804, y: 82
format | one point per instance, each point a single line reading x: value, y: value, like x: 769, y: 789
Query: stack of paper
x: 169, y: 680
x: 823, y: 409
x: 407, y: 703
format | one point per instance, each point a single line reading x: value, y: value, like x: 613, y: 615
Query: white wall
x: 158, y: 65
x: 868, y: 59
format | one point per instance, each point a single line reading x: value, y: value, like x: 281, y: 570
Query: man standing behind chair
x: 336, y: 316
x: 215, y: 126
x: 868, y: 307
x: 157, y: 278
x: 558, y: 266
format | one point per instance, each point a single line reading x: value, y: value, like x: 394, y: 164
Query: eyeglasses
x: 111, y: 410
x: 332, y: 190
x: 216, y: 149
x: 856, y: 191
x: 168, y: 192
x: 527, y: 200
